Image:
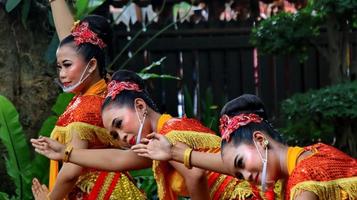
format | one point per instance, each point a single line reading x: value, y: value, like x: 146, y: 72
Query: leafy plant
x: 144, y: 73
x: 18, y: 162
x: 209, y: 110
x: 145, y: 181
x: 294, y: 33
x: 324, y: 115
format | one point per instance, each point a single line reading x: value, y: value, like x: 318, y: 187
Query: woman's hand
x: 49, y: 148
x: 155, y: 147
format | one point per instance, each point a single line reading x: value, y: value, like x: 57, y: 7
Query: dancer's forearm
x: 62, y: 18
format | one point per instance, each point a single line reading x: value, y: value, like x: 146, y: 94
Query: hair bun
x: 246, y: 103
x: 100, y: 26
x: 130, y: 76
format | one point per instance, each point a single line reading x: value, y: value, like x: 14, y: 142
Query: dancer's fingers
x: 139, y: 146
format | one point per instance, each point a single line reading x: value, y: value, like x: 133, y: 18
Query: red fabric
x: 222, y: 187
x: 98, y: 186
x: 184, y: 124
x: 327, y: 163
x: 85, y: 109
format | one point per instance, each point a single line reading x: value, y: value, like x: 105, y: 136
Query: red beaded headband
x: 229, y: 125
x: 83, y: 34
x: 115, y: 87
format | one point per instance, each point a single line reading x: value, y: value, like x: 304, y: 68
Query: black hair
x: 248, y: 103
x: 101, y: 27
x: 127, y: 97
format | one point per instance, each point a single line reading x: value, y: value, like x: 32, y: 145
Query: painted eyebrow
x: 236, y: 161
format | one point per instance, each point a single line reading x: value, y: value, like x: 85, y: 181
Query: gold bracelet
x: 67, y: 153
x: 187, y: 158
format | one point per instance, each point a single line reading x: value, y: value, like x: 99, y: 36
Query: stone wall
x: 25, y: 77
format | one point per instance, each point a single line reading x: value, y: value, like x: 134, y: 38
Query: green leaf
x: 50, y: 55
x: 11, y: 4
x: 14, y: 140
x: 145, y: 181
x: 147, y: 76
x: 84, y: 7
x: 154, y: 64
x: 93, y: 4
x: 4, y: 196
x: 61, y: 103
x: 25, y: 12
x: 48, y: 126
x: 81, y: 6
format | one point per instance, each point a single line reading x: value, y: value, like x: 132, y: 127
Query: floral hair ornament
x: 115, y: 87
x: 83, y: 34
x: 229, y: 124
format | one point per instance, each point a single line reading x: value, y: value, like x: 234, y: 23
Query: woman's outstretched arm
x: 159, y: 148
x: 102, y: 159
x: 62, y: 18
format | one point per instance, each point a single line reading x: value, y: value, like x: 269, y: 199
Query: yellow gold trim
x: 105, y: 185
x: 194, y: 139
x: 162, y: 120
x: 98, y: 88
x: 85, y: 131
x: 216, y: 184
x: 237, y: 189
x: 334, y: 189
x: 291, y: 157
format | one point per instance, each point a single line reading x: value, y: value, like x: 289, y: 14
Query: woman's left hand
x: 155, y: 147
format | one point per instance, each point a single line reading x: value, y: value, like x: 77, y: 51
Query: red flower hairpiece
x: 115, y: 87
x: 83, y: 34
x: 229, y: 125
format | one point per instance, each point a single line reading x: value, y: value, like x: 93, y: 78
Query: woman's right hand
x: 49, y: 148
x: 155, y: 147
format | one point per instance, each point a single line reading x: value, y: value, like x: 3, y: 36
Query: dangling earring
x: 138, y: 138
x: 265, y: 165
x: 264, y: 161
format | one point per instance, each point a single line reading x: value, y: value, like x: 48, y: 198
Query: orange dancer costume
x: 83, y: 117
x: 191, y: 132
x: 328, y: 173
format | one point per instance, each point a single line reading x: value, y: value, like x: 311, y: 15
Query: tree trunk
x: 337, y: 35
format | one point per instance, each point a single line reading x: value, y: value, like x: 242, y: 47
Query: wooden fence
x: 218, y: 56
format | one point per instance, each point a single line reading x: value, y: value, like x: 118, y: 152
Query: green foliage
x: 10, y: 5
x: 286, y: 33
x: 145, y: 181
x: 342, y: 9
x: 25, y: 8
x: 84, y: 7
x: 316, y: 114
x: 144, y: 73
x: 18, y: 162
x: 209, y: 110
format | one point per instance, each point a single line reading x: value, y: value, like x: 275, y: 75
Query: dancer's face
x: 71, y: 66
x: 123, y: 123
x: 243, y: 161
